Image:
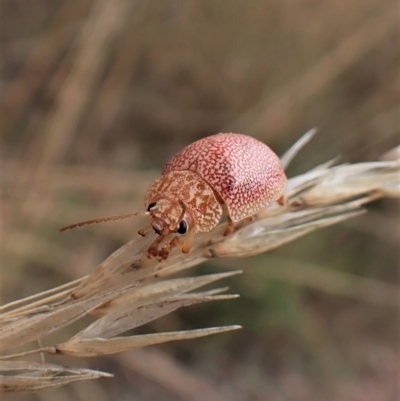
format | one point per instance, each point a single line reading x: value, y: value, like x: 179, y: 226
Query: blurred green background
x: 97, y: 95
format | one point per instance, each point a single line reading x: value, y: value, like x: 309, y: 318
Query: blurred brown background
x: 97, y: 95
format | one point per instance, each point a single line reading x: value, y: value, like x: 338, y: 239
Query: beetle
x: 226, y: 172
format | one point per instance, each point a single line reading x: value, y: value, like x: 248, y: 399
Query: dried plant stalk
x: 39, y: 376
x: 128, y: 290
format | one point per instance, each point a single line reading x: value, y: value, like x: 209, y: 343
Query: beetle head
x: 169, y: 217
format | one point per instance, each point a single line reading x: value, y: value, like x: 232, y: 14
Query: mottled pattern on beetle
x: 243, y: 171
x: 193, y: 191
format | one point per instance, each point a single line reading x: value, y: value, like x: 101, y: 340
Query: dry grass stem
x: 128, y: 290
x: 31, y: 376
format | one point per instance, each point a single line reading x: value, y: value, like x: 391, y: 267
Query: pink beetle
x: 230, y: 173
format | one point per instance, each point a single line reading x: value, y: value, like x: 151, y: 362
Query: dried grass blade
x: 41, y: 298
x: 259, y: 239
x: 290, y: 154
x: 98, y: 346
x: 36, y: 325
x: 125, y: 318
x: 142, y: 295
x: 349, y: 181
x: 23, y: 376
x: 102, y: 277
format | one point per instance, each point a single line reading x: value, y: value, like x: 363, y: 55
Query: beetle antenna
x: 104, y: 220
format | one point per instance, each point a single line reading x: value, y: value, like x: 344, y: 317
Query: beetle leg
x: 282, y: 200
x: 230, y: 227
x: 187, y: 243
x: 166, y: 249
x: 163, y: 253
x: 183, y: 246
x: 153, y: 248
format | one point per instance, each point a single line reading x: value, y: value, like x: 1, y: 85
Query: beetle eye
x: 182, y: 227
x: 151, y: 205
